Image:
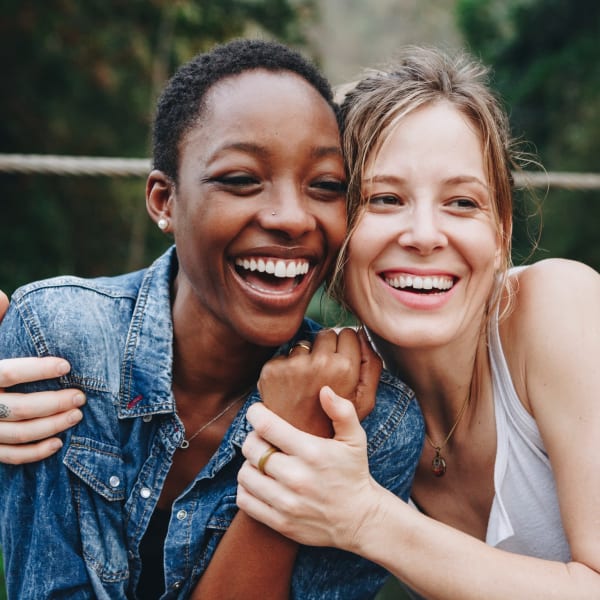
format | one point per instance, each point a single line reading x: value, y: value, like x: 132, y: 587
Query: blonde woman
x: 504, y: 362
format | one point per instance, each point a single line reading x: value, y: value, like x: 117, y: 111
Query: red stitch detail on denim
x: 134, y: 401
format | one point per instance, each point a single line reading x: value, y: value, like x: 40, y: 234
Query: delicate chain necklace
x: 438, y: 463
x: 185, y: 444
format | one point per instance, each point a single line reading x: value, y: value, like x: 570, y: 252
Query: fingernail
x: 63, y: 368
x: 78, y: 399
x: 55, y: 444
x: 75, y: 416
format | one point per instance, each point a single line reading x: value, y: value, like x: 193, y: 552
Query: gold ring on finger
x: 262, y: 461
x: 301, y: 344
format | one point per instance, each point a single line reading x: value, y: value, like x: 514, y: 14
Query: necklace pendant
x: 438, y: 464
x: 184, y: 445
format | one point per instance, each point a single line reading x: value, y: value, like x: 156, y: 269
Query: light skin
x: 39, y: 416
x: 429, y: 215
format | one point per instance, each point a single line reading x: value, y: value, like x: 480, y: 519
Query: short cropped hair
x: 182, y: 101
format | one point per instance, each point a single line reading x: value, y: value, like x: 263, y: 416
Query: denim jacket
x: 71, y: 525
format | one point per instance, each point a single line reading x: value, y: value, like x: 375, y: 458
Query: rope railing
x: 48, y: 164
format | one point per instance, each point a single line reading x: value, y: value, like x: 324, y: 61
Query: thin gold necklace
x: 185, y: 444
x: 438, y: 463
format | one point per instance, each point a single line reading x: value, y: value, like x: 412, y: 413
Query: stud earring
x: 273, y: 213
x: 163, y: 223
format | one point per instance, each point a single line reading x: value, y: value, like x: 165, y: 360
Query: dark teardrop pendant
x: 438, y: 464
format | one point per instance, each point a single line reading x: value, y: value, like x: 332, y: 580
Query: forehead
x: 435, y: 139
x: 266, y: 100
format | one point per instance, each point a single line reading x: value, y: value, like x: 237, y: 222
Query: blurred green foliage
x: 81, y: 78
x: 546, y: 63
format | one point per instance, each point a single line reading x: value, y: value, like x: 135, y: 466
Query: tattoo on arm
x: 4, y: 411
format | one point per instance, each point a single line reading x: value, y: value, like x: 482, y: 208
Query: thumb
x: 342, y: 413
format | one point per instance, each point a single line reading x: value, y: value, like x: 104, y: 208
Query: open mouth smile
x: 274, y: 275
x: 420, y: 284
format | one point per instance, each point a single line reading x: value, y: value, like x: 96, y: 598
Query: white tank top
x: 525, y: 516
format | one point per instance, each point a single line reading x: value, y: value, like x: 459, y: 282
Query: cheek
x: 356, y: 274
x: 334, y: 220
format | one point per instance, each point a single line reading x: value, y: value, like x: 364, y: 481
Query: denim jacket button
x: 147, y: 418
x: 114, y: 481
x: 145, y: 493
x: 181, y: 514
x: 177, y: 585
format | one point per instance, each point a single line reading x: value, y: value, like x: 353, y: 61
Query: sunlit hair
x: 424, y: 76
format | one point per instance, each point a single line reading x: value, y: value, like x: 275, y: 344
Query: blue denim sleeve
x: 39, y: 529
x: 395, y: 434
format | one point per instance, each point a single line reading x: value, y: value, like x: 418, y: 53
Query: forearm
x: 251, y: 561
x: 442, y: 563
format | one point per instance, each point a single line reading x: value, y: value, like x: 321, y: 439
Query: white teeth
x: 417, y: 282
x: 279, y: 268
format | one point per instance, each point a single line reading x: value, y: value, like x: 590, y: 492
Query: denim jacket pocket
x: 99, y: 492
x: 224, y: 512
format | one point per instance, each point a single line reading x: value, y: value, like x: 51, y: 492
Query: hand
x: 26, y: 418
x: 316, y: 491
x: 290, y: 385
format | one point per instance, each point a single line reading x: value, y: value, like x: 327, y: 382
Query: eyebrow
x: 395, y: 180
x: 465, y: 179
x: 250, y: 148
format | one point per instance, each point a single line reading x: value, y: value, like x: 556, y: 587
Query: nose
x: 288, y: 211
x: 422, y: 231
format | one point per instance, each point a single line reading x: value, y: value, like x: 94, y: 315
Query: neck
x: 441, y: 377
x: 209, y: 359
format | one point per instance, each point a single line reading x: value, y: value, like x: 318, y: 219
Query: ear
x: 160, y: 194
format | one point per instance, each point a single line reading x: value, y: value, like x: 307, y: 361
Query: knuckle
x: 312, y: 455
x: 17, y: 435
x: 326, y: 334
x: 9, y: 374
x: 289, y: 505
x: 9, y: 456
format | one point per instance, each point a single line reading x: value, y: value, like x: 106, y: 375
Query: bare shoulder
x: 555, y: 287
x: 553, y: 327
x: 554, y: 302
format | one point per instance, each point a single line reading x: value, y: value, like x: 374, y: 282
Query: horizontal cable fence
x: 47, y: 164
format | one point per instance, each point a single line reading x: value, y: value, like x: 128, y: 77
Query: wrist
x: 370, y: 519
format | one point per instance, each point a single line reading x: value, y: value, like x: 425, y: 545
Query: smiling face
x: 258, y: 210
x: 424, y: 254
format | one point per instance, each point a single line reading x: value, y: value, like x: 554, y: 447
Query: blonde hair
x: 424, y: 76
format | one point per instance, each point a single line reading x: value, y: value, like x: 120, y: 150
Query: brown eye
x: 463, y: 203
x: 385, y: 200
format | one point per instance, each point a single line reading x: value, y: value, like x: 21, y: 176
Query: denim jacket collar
x: 146, y: 385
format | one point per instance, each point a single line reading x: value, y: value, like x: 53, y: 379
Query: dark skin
x: 290, y: 387
x: 253, y: 184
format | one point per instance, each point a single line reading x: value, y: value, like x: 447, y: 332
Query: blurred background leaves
x: 81, y: 78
